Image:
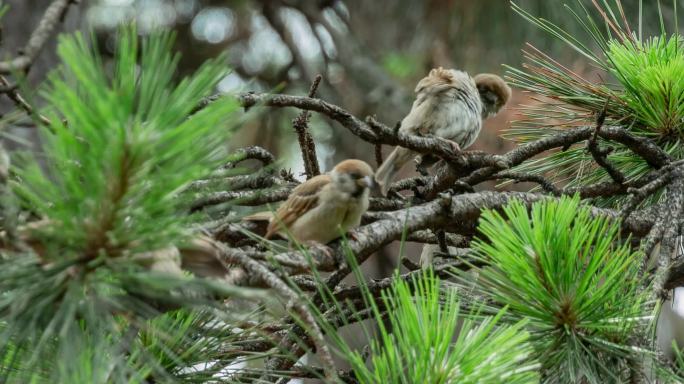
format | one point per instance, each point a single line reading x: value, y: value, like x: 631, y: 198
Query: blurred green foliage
x: 401, y: 66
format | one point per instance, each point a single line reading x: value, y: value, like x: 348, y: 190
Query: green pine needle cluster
x: 639, y: 88
x: 122, y: 143
x: 675, y: 372
x: 566, y: 273
x: 186, y: 346
x: 424, y: 337
x: 651, y: 73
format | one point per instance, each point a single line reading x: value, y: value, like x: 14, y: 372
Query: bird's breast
x: 329, y: 219
x: 450, y: 120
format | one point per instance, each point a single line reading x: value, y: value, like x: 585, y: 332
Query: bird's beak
x: 366, y: 182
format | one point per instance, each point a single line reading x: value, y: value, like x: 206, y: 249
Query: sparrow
x: 447, y: 106
x: 494, y: 93
x: 326, y: 206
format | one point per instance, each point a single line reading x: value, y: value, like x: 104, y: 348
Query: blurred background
x: 370, y: 54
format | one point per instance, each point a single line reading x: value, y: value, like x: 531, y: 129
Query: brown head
x: 494, y: 93
x: 353, y: 176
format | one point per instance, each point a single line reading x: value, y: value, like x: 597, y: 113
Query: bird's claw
x: 454, y: 145
x: 445, y: 198
x: 396, y: 195
x: 314, y: 245
x: 351, y: 236
x: 501, y: 162
x: 455, y: 149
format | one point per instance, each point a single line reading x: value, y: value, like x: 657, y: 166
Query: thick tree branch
x: 644, y: 148
x: 464, y: 209
x: 370, y: 131
x: 651, y: 183
x: 662, y: 238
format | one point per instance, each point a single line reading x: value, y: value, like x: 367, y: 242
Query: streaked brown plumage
x: 326, y: 206
x: 304, y: 197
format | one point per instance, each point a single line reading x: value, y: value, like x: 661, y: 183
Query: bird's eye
x: 355, y: 175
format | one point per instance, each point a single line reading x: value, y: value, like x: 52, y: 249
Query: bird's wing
x: 302, y: 199
x: 429, y: 92
x: 415, y: 120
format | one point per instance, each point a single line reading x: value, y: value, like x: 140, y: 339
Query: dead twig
x: 601, y: 155
x: 19, y: 101
x: 306, y: 142
x: 378, y: 154
x: 543, y: 182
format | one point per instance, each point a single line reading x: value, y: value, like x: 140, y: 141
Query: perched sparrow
x: 494, y: 93
x: 447, y: 105
x: 326, y: 206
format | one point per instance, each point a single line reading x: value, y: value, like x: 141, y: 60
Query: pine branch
x: 294, y: 300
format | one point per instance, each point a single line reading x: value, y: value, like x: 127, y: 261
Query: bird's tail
x: 389, y: 168
x: 264, y: 223
x: 259, y: 216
